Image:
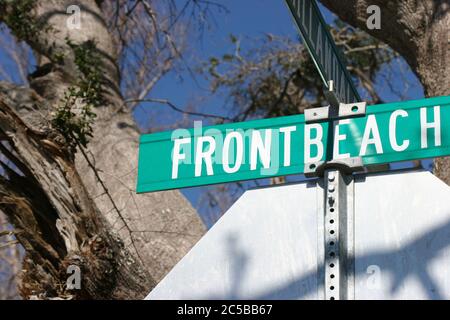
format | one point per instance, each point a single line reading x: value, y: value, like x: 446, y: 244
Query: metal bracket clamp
x: 345, y: 110
x: 335, y: 110
x: 317, y: 114
x: 349, y: 110
x: 346, y: 166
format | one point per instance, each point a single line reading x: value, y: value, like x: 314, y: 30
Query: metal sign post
x: 338, y: 236
x: 333, y: 70
x: 338, y: 226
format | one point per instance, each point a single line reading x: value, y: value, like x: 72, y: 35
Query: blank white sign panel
x: 264, y: 247
x: 269, y: 244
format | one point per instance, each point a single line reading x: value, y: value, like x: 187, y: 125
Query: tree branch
x: 175, y: 108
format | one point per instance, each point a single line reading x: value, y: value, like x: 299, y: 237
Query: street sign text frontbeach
x: 230, y: 152
x: 320, y: 44
x: 266, y: 148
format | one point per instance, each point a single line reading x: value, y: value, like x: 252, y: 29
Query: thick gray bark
x: 57, y: 222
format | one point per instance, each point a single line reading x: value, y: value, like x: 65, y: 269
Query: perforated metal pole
x: 338, y: 236
x: 331, y: 232
x: 338, y: 223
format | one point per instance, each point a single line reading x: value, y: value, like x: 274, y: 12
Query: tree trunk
x: 419, y: 31
x: 57, y: 222
x: 75, y: 211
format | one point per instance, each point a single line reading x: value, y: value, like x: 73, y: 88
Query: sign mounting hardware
x: 338, y: 264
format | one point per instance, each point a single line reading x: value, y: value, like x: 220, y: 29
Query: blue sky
x: 245, y: 19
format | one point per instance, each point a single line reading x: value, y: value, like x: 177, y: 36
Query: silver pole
x: 338, y: 236
x: 338, y: 270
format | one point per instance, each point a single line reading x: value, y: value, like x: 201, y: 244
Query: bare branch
x: 175, y: 108
x: 8, y: 244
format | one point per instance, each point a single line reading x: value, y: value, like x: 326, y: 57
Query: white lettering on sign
x: 177, y: 155
x: 204, y: 156
x: 425, y: 126
x: 239, y: 152
x: 340, y: 137
x: 287, y: 144
x: 316, y: 141
x: 371, y: 130
x: 260, y: 148
x: 393, y: 131
x: 234, y: 150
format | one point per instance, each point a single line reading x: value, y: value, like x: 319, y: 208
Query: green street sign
x: 224, y: 153
x: 267, y: 148
x: 326, y: 56
x: 398, y: 131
